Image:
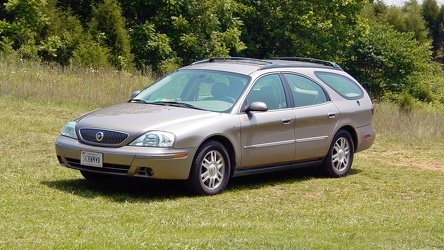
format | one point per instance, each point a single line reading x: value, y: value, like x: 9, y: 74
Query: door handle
x: 286, y: 121
x: 331, y: 115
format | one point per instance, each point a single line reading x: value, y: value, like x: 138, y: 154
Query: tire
x: 92, y: 176
x: 210, y: 171
x: 339, y: 159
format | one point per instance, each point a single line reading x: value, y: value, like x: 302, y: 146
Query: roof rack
x: 310, y: 60
x: 275, y: 62
x: 236, y: 59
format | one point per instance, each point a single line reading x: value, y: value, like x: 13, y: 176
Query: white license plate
x: 91, y: 159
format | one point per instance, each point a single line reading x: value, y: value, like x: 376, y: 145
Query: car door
x: 267, y: 137
x: 316, y: 118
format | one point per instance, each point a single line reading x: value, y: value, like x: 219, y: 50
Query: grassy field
x: 393, y: 198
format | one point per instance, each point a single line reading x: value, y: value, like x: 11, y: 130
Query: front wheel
x: 210, y: 170
x: 338, y: 161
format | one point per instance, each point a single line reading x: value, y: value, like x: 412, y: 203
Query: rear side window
x: 341, y: 84
x: 305, y: 92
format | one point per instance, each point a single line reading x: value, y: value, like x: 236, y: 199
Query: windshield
x: 200, y: 89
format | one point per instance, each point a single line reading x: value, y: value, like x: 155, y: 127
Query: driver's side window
x: 268, y: 89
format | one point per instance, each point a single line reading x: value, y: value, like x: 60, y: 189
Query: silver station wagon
x: 225, y: 117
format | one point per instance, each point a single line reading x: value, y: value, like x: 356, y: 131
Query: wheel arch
x: 351, y: 130
x: 228, y: 146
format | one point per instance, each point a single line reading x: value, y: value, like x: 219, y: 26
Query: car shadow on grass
x: 125, y: 189
x: 121, y: 189
x: 276, y: 178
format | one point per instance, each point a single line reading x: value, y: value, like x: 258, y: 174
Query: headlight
x: 69, y: 130
x: 154, y: 139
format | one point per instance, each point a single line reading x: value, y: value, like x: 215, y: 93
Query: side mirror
x: 135, y: 93
x: 258, y: 106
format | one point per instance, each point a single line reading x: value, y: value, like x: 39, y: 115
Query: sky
x: 401, y: 2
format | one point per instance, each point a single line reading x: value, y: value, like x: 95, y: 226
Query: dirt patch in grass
x: 416, y: 156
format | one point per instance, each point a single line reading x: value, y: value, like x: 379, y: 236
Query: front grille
x: 102, y: 136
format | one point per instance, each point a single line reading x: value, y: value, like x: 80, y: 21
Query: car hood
x: 136, y: 118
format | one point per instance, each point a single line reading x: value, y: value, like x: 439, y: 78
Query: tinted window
x: 341, y: 84
x: 305, y: 92
x: 268, y: 89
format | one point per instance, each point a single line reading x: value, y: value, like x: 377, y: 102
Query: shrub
x: 387, y: 61
x: 91, y: 54
x: 406, y: 102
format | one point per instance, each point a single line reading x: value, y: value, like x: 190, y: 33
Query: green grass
x: 393, y: 198
x: 385, y: 203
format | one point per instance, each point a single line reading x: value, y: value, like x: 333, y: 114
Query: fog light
x: 59, y: 158
x: 149, y: 171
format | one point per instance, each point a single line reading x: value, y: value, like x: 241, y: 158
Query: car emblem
x: 99, y: 136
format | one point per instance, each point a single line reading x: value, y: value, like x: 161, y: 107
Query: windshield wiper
x: 176, y: 104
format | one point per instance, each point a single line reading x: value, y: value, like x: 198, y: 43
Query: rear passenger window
x: 305, y: 92
x: 341, y: 84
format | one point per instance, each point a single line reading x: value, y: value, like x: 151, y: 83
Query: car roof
x: 247, y: 66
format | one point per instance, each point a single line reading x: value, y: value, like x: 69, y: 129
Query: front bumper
x: 156, y: 163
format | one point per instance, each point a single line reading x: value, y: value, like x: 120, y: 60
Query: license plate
x: 91, y: 159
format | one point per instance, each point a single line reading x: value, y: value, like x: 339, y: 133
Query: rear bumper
x: 366, y: 136
x: 156, y: 163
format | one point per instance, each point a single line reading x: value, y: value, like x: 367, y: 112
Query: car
x: 221, y: 118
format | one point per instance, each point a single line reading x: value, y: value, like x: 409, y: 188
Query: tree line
x: 391, y: 50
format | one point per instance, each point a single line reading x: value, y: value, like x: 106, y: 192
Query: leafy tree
x: 440, y: 39
x: 4, y: 15
x: 374, y: 11
x: 158, y: 12
x: 380, y: 8
x: 407, y: 19
x: 322, y: 29
x: 81, y: 8
x: 387, y: 61
x: 211, y: 29
x: 149, y: 46
x: 430, y: 13
x: 413, y: 20
x: 62, y: 36
x: 182, y: 31
x: 108, y: 27
x: 22, y: 32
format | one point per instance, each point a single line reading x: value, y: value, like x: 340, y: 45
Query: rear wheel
x: 210, y: 170
x: 338, y: 161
